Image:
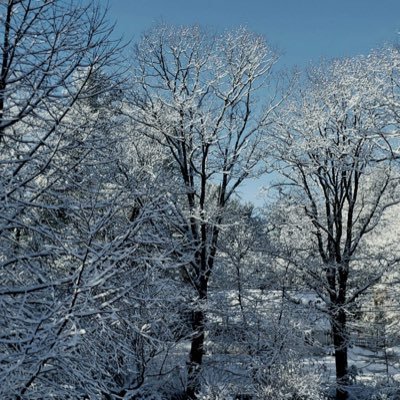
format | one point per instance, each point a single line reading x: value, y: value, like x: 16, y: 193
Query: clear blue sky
x: 304, y: 31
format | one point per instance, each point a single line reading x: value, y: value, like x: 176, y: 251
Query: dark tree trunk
x: 5, y: 62
x: 197, y: 344
x: 339, y: 334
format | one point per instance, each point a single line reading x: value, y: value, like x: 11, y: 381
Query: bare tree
x: 195, y: 96
x: 335, y: 146
x: 56, y: 197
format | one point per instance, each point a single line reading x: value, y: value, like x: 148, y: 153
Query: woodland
x: 131, y: 268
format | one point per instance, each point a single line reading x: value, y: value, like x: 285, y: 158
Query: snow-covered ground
x: 367, y: 364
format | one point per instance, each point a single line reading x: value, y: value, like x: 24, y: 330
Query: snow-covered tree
x: 335, y: 144
x: 194, y: 95
x: 58, y: 193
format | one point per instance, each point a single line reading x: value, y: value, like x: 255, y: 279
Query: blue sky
x: 303, y: 31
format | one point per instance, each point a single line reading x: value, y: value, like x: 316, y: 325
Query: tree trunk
x: 197, y: 345
x: 340, y: 342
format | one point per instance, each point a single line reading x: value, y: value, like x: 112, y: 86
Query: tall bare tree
x: 335, y: 145
x: 55, y: 202
x: 195, y: 96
